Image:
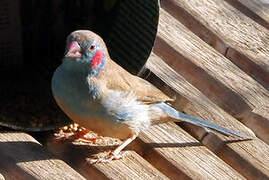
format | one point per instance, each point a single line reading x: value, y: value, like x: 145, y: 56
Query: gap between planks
x: 213, y: 74
x: 255, y: 9
x: 77, y: 153
x: 22, y: 157
x: 165, y: 147
x: 242, y: 40
x: 249, y: 158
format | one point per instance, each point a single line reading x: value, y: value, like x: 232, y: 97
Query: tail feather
x: 171, y: 112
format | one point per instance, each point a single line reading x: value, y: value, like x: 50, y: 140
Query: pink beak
x: 73, y: 50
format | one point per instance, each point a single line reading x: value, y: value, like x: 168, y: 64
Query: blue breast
x: 71, y: 86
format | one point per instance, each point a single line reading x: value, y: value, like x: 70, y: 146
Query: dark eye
x: 92, y: 47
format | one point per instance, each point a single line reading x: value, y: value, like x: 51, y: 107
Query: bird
x: 98, y: 94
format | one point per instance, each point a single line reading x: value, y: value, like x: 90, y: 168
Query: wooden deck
x: 213, y: 56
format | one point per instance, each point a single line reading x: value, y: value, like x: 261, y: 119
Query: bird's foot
x: 107, y: 158
x: 79, y: 135
x: 74, y: 132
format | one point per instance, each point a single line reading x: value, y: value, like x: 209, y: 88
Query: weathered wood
x: 229, y: 31
x: 22, y: 157
x: 135, y: 167
x: 262, y: 110
x: 166, y: 147
x: 249, y: 158
x: 259, y: 7
x: 238, y: 154
x: 180, y: 156
x: 213, y: 74
x: 255, y: 9
x: 77, y: 154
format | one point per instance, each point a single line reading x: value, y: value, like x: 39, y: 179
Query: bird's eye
x: 92, y: 47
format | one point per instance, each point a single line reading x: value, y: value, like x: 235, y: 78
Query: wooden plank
x: 138, y: 168
x: 229, y: 31
x: 249, y: 158
x: 255, y: 9
x: 262, y: 110
x: 209, y: 61
x: 166, y: 147
x: 259, y: 7
x: 77, y: 153
x: 178, y: 155
x: 22, y: 157
x: 214, y: 75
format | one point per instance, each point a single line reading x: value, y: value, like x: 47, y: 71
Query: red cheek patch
x: 97, y: 59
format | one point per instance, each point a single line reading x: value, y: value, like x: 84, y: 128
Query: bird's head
x: 87, y: 50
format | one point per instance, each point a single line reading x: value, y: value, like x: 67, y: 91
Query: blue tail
x: 197, y: 121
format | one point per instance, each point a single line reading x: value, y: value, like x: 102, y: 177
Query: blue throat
x: 94, y: 72
x: 72, y: 87
x: 78, y: 73
x: 70, y: 83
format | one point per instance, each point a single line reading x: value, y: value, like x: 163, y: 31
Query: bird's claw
x: 74, y: 132
x: 108, y: 158
x: 76, y: 136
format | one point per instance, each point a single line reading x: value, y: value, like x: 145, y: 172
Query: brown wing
x: 120, y: 79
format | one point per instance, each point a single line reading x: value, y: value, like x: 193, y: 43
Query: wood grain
x: 167, y: 151
x: 77, y: 154
x: 174, y: 152
x: 255, y: 9
x: 132, y: 166
x: 259, y: 7
x: 22, y: 157
x: 206, y: 84
x: 224, y: 27
x: 214, y: 75
x: 247, y: 157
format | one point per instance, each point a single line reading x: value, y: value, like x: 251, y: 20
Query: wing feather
x: 116, y: 78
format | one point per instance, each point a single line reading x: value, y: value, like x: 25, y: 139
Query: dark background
x: 32, y: 44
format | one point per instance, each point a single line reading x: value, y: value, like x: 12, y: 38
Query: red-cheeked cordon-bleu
x: 100, y: 95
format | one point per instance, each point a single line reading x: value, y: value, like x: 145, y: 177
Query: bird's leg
x: 116, y: 151
x: 81, y: 135
x: 115, y: 154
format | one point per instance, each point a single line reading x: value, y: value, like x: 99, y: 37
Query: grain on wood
x: 135, y: 167
x: 250, y: 158
x: 78, y: 153
x: 255, y: 9
x: 22, y: 157
x: 174, y: 152
x: 221, y: 25
x: 222, y: 82
x: 167, y: 148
